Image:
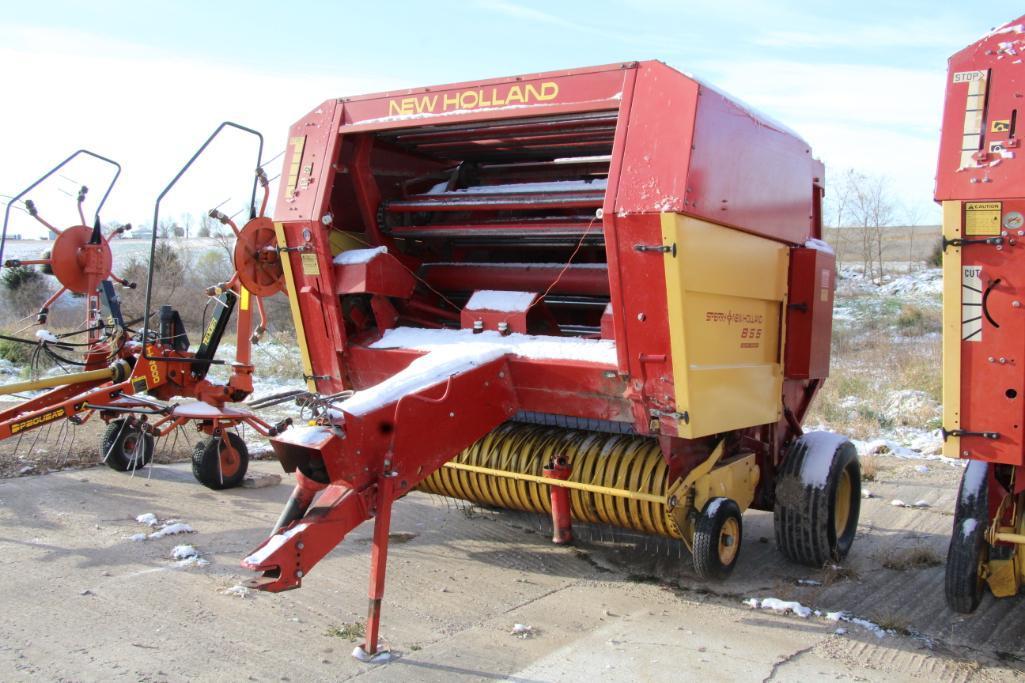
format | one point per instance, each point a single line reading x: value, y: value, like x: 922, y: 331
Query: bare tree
x: 912, y: 217
x: 872, y: 208
x: 839, y: 193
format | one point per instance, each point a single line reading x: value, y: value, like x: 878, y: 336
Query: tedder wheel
x: 818, y: 499
x: 220, y: 462
x: 967, y: 553
x: 717, y: 536
x: 125, y: 447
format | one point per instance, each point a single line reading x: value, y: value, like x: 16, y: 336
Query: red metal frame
x: 371, y: 167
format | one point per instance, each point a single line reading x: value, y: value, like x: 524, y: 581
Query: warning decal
x: 1001, y: 126
x: 971, y: 303
x: 982, y: 218
x: 310, y: 264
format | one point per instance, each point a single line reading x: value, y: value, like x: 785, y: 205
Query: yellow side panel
x: 343, y: 241
x: 726, y: 295
x: 293, y: 304
x: 952, y: 328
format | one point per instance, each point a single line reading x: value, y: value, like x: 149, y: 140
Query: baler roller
x: 615, y: 479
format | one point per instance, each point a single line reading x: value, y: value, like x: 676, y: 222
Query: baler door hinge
x: 993, y: 436
x: 660, y: 248
x: 965, y: 241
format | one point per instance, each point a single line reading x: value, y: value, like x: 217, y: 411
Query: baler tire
x: 119, y: 441
x: 718, y: 533
x: 963, y: 582
x: 206, y: 456
x: 815, y: 521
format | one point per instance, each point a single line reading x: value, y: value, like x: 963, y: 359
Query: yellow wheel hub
x: 842, y: 503
x: 729, y: 541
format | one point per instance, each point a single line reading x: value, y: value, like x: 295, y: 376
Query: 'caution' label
x: 982, y: 218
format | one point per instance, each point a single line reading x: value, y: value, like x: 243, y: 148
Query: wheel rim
x: 128, y: 446
x: 842, y: 503
x: 729, y: 541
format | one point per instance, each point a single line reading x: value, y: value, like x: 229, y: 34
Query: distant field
x: 900, y: 243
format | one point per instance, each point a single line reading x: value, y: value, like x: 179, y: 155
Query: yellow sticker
x: 1000, y: 126
x: 312, y: 267
x: 982, y: 218
x: 244, y: 302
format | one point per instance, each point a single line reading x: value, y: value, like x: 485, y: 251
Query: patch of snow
x: 551, y: 186
x: 496, y: 300
x: 352, y: 257
x: 808, y: 582
x: 147, y: 518
x: 450, y: 352
x: 920, y: 504
x: 183, y: 552
x: 273, y: 544
x: 847, y: 617
x: 819, y: 245
x: 379, y: 658
x: 921, y: 469
x: 46, y: 336
x: 779, y: 606
x: 819, y: 457
x: 192, y: 562
x: 866, y: 494
x: 968, y: 527
x: 522, y: 630
x: 897, y: 503
x: 137, y: 537
x: 973, y: 480
x: 172, y: 530
x: 238, y: 590
x: 574, y: 160
x: 535, y: 347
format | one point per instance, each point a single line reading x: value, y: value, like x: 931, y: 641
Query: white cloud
x: 882, y: 120
x: 149, y: 110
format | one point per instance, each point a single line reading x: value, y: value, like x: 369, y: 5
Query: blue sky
x: 144, y: 82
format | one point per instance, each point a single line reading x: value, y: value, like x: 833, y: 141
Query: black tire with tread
x: 118, y: 438
x: 962, y: 584
x: 804, y: 513
x: 206, y: 459
x: 707, y: 529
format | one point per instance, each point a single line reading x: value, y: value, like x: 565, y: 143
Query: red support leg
x: 562, y: 524
x: 378, y: 561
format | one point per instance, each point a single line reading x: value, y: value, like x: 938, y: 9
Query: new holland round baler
x: 599, y: 294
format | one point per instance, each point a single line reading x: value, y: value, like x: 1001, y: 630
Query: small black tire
x: 124, y: 447
x: 963, y: 583
x: 818, y: 499
x: 215, y: 472
x: 718, y: 533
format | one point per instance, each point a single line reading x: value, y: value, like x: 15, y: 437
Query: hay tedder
x: 597, y: 294
x: 980, y: 182
x: 130, y: 377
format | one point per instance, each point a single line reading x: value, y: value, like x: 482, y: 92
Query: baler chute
x: 596, y: 293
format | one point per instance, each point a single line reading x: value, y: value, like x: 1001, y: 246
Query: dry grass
x: 869, y: 468
x: 920, y: 557
x: 836, y: 573
x: 351, y: 631
x: 889, y: 346
x: 895, y: 623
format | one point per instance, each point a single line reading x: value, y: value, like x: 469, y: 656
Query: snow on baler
x: 599, y: 294
x: 979, y: 184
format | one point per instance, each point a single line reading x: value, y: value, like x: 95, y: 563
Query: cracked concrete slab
x: 83, y: 601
